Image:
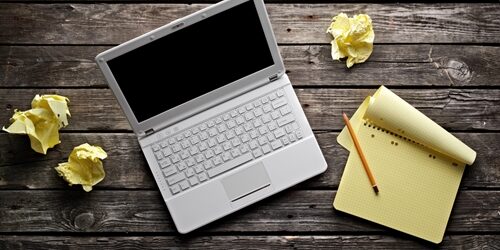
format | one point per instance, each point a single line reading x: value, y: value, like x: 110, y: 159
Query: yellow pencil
x: 360, y: 152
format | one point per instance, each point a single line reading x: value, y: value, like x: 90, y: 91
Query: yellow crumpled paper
x: 353, y: 38
x: 42, y: 122
x: 84, y: 166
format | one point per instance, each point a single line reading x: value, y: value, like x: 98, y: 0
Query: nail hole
x: 392, y: 142
x: 396, y: 143
x: 373, y: 135
x: 289, y: 216
x: 8, y: 106
x: 288, y: 30
x: 433, y: 157
x: 454, y: 164
x: 430, y: 156
x: 312, y: 206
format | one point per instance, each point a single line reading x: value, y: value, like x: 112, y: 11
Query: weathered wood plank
x: 454, y: 109
x: 311, y: 65
x: 245, y: 242
x: 292, y: 23
x: 126, y: 168
x: 144, y: 211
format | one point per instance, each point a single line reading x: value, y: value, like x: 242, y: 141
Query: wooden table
x: 442, y: 58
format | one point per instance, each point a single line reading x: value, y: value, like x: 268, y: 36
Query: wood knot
x: 458, y: 70
x: 84, y: 220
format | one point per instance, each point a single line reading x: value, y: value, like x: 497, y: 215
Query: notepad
x: 418, y: 166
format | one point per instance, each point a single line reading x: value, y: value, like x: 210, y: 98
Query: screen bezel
x: 207, y: 100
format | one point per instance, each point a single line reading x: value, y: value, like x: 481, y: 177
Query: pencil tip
x: 375, y: 188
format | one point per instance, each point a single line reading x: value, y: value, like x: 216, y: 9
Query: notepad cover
x: 417, y: 184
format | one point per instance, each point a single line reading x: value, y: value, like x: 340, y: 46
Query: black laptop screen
x: 192, y: 61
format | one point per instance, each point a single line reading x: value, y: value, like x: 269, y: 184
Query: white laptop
x: 214, y: 112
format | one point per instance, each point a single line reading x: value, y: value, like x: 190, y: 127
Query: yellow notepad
x: 418, y: 166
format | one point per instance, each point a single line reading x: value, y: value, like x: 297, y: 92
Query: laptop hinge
x: 273, y: 78
x: 149, y: 131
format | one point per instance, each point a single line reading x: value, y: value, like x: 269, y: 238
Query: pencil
x: 360, y: 152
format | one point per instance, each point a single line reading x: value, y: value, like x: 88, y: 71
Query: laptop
x: 214, y: 112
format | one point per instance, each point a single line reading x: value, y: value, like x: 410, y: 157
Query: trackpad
x: 246, y: 182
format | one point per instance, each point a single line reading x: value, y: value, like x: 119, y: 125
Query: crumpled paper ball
x: 353, y: 38
x: 84, y: 166
x: 42, y: 122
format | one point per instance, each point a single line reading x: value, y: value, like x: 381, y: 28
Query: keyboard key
x: 179, y: 138
x: 164, y: 144
x: 292, y: 137
x: 221, y: 138
x: 211, y: 142
x: 254, y: 134
x: 195, y: 130
x: 272, y: 96
x: 267, y: 108
x: 227, y: 146
x: 190, y: 162
x: 240, y: 120
x: 258, y: 112
x: 198, y: 169
x: 159, y: 155
x: 272, y: 126
x: 184, y: 184
x: 194, y: 139
x: 257, y: 123
x: 229, y: 165
x: 169, y: 171
x: 193, y: 181
x: 249, y: 106
x: 254, y: 144
x: 298, y: 134
x: 276, y: 144
x: 166, y: 152
x: 257, y: 153
x: 279, y: 132
x: 199, y: 158
x: 176, y: 148
x: 239, y: 130
x: 189, y: 172
x: 156, y: 147
x: 175, y: 189
x: 262, y: 140
x: 266, y: 118
x: 171, y: 141
x: 230, y: 134
x: 165, y: 163
x: 202, y: 177
x: 247, y: 127
x: 249, y: 116
x: 235, y: 153
x: 286, y: 141
x: 212, y: 132
x: 193, y: 150
x: 280, y: 92
x: 234, y: 113
x: 244, y: 148
x: 218, y: 149
x: 203, y: 126
x: 266, y: 149
x: 245, y: 138
x: 278, y: 103
x: 241, y: 110
x: 207, y: 164
x: 285, y: 120
x: 264, y: 100
x: 203, y: 146
x: 226, y: 117
x: 203, y: 135
x: 181, y: 166
x: 174, y: 158
x: 295, y: 126
x: 221, y: 128
x: 185, y: 144
x: 218, y: 120
x: 285, y: 110
x: 231, y: 124
x: 226, y: 156
x: 263, y: 130
x: 209, y: 154
x: 235, y: 142
x: 175, y: 178
x: 257, y: 103
x: 187, y: 134
x: 270, y: 137
x: 184, y: 154
x: 217, y: 160
x: 275, y: 115
x: 211, y: 123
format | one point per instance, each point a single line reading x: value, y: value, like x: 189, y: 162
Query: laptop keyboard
x: 226, y: 141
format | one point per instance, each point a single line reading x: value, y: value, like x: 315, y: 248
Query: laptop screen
x: 192, y: 61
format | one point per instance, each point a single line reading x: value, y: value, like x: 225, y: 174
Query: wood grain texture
x: 454, y: 109
x: 382, y: 242
x: 292, y: 23
x: 307, y: 65
x: 144, y: 211
x: 126, y: 168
